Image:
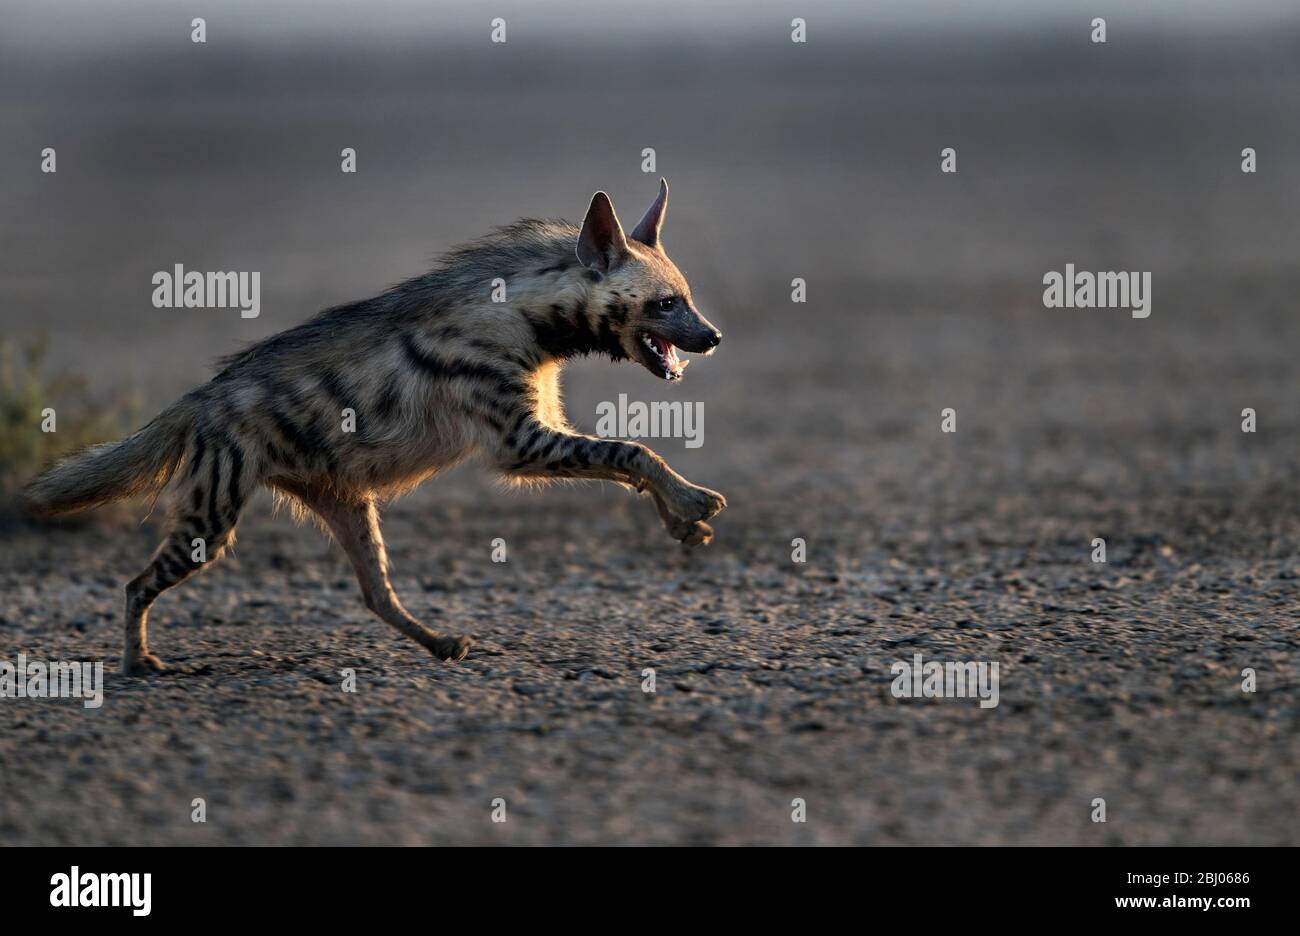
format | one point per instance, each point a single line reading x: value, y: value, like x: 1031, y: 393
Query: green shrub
x: 26, y: 392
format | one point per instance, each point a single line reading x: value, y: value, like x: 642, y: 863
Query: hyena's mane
x: 463, y: 275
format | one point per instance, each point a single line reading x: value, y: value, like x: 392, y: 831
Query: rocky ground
x: 772, y: 678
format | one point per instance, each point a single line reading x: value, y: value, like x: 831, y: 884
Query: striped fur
x: 432, y: 372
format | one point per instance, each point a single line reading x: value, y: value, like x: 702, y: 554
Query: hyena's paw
x: 143, y: 664
x: 697, y: 504
x: 692, y: 533
x: 450, y: 648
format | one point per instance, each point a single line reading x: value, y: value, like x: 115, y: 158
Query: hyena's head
x: 642, y: 296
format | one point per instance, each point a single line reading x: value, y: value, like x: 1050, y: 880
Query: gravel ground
x: 1119, y: 681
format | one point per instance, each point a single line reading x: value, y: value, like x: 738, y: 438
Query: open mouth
x: 665, y: 352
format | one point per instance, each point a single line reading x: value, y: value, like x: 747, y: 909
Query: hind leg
x: 355, y: 525
x: 203, y: 525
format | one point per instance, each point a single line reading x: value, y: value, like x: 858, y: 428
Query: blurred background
x: 924, y: 291
x: 817, y: 160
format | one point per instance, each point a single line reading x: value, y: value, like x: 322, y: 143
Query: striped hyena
x: 425, y: 375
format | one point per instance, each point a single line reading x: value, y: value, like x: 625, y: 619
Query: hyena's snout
x: 700, y: 338
x: 712, y: 340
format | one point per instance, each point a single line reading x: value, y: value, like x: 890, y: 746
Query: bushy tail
x: 139, y: 464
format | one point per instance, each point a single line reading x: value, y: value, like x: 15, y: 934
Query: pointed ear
x: 647, y: 231
x: 601, y: 243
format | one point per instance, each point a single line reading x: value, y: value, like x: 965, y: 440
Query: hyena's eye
x: 666, y: 305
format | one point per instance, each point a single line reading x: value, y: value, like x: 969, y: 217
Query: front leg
x: 537, y: 451
x: 689, y: 532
